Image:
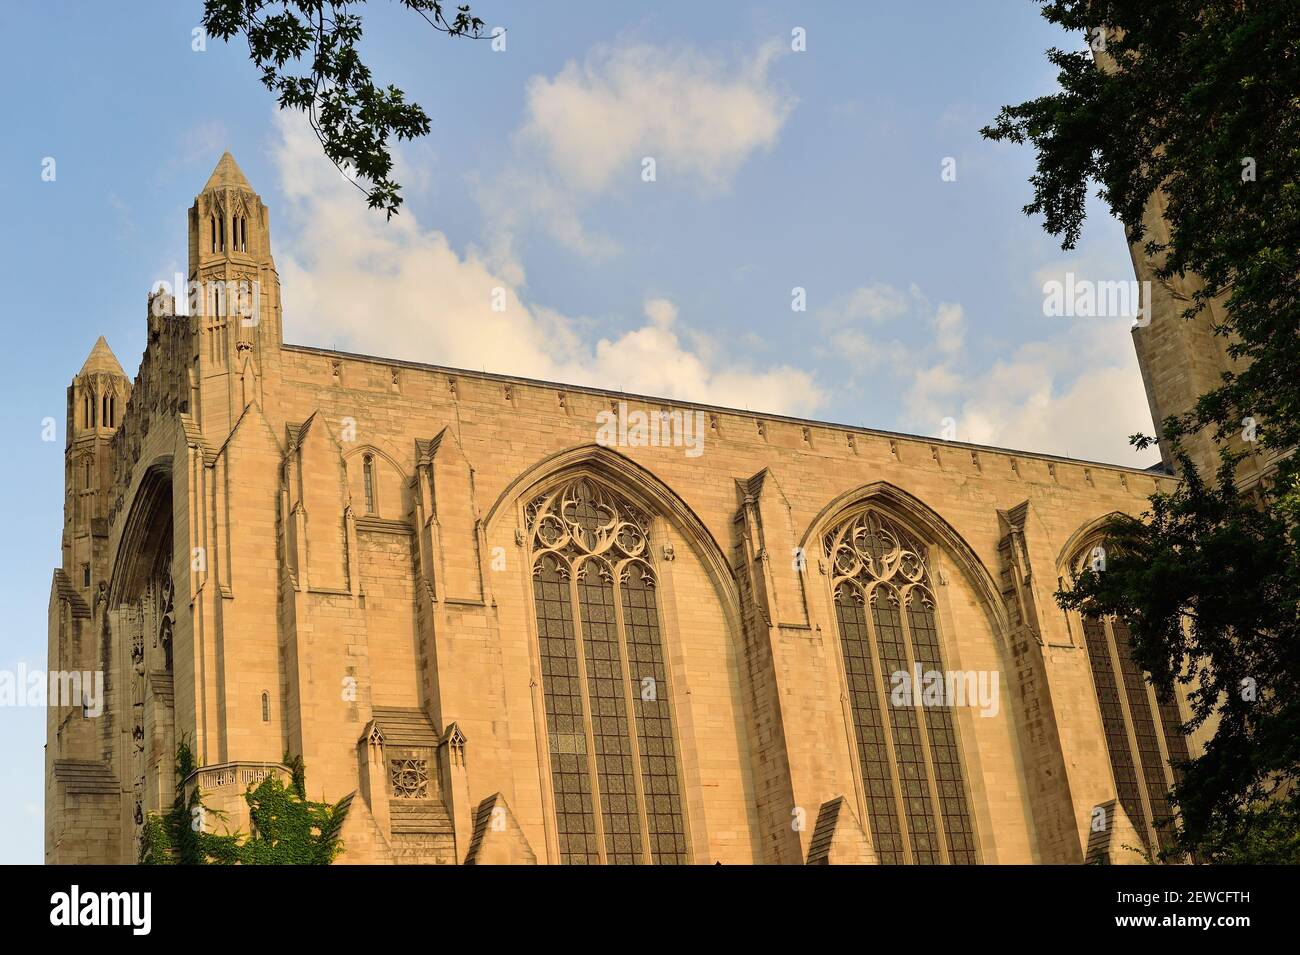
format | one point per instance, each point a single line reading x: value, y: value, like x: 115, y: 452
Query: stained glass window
x: 605, y: 684
x: 909, y: 754
x: 1143, y: 771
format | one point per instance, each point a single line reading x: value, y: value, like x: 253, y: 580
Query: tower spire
x: 227, y: 175
x: 101, y: 360
x: 236, y: 320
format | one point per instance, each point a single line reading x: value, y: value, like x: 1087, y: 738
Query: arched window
x: 368, y: 479
x: 909, y: 756
x: 266, y: 707
x: 604, y: 679
x: 1144, y: 736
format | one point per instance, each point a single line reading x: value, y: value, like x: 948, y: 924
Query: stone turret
x: 97, y: 400
x: 234, y: 298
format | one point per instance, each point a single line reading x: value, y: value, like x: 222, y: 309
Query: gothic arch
x: 915, y: 769
x: 1082, y: 536
x: 148, y: 518
x: 140, y: 622
x: 381, y: 449
x: 1141, y: 728
x: 923, y: 520
x: 582, y: 615
x: 391, y: 479
x: 644, y: 489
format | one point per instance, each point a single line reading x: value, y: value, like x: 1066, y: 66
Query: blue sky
x: 774, y: 170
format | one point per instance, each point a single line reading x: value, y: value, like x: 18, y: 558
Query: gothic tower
x: 1182, y: 359
x: 96, y: 403
x: 75, y: 769
x: 234, y: 298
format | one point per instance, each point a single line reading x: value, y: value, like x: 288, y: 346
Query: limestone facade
x: 517, y: 641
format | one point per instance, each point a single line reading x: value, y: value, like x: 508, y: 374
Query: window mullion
x: 593, y: 771
x: 923, y: 725
x: 630, y: 703
x: 1121, y: 692
x: 1157, y: 723
x: 886, y: 727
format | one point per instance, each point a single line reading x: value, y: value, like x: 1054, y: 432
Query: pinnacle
x: 101, y: 360
x: 227, y: 174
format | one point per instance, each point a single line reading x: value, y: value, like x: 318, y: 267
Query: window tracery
x: 909, y: 755
x: 409, y: 778
x: 604, y: 678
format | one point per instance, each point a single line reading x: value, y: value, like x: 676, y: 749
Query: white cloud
x: 593, y: 122
x: 1076, y: 393
x: 867, y: 350
x: 873, y: 302
x: 949, y: 325
x: 1094, y: 263
x: 588, y: 128
x: 353, y: 280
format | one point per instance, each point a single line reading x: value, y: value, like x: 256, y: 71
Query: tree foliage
x: 286, y: 828
x: 306, y: 53
x: 1197, y: 113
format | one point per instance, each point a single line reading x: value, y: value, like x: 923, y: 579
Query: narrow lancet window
x: 368, y: 478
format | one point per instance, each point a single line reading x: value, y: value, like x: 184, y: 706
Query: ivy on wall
x: 286, y: 828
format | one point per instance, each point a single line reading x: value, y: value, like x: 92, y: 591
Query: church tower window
x: 368, y: 479
x: 909, y: 756
x: 605, y: 688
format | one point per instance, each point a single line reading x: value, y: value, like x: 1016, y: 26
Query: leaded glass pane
x: 943, y: 736
x: 1144, y: 730
x: 649, y: 678
x: 583, y: 525
x: 609, y: 723
x: 1112, y: 721
x: 565, y: 725
x: 870, y: 553
x: 909, y: 750
x: 864, y: 701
